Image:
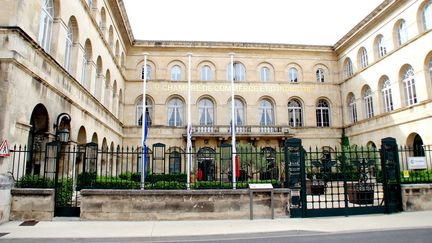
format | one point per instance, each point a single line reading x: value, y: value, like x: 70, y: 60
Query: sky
x: 315, y: 22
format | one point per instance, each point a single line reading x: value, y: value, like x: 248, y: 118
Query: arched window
x: 176, y: 73
x: 295, y: 116
x: 265, y: 74
x: 427, y: 16
x: 322, y: 113
x: 409, y: 87
x: 352, y: 108
x: 381, y: 47
x: 175, y: 162
x: 239, y: 112
x: 239, y: 72
x: 149, y: 112
x: 206, y: 112
x: 98, y: 78
x: 175, y: 112
x: 364, y: 62
x: 111, y: 37
x: 348, y: 68
x: 206, y: 73
x: 266, y: 113
x: 149, y: 72
x: 320, y: 75
x: 293, y: 75
x: 402, y: 32
x: 418, y: 146
x: 68, y: 49
x: 45, y: 25
x: 387, y: 96
x: 86, y: 65
x: 368, y: 102
x: 102, y: 21
x: 430, y: 68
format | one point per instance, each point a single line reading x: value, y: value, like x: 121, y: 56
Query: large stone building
x: 80, y: 57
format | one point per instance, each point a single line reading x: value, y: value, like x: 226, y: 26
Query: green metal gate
x: 66, y: 166
x: 329, y: 182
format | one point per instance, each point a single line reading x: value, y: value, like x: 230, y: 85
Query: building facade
x: 80, y: 57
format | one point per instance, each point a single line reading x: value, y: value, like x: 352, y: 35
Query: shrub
x: 86, y: 180
x: 64, y: 192
x: 166, y: 177
x: 34, y: 181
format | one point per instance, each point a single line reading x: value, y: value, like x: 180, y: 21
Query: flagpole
x: 233, y: 138
x: 143, y: 123
x: 189, y: 126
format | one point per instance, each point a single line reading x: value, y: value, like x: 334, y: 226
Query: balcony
x: 241, y: 131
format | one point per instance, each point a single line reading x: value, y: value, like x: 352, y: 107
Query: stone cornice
x: 119, y: 6
x: 228, y: 45
x: 366, y: 22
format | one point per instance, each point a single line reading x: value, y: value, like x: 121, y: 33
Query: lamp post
x: 62, y: 135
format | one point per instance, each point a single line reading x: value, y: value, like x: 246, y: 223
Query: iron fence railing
x: 416, y: 164
x: 338, y: 177
x: 211, y: 168
x: 120, y: 168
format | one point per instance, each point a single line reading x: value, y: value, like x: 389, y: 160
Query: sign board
x: 4, y: 149
x: 415, y: 163
x: 406, y: 174
x: 260, y: 186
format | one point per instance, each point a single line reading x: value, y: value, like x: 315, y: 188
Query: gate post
x: 295, y: 176
x: 391, y: 175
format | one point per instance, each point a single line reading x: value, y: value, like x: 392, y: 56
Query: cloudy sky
x: 320, y: 22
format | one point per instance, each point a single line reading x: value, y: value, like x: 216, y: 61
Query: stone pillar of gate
x: 391, y: 175
x: 295, y: 176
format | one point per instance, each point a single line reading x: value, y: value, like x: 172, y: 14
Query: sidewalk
x: 64, y: 228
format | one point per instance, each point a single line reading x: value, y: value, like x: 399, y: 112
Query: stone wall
x: 29, y: 203
x: 5, y: 197
x: 417, y: 197
x: 179, y: 205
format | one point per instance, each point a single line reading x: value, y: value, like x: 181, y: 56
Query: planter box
x: 360, y: 193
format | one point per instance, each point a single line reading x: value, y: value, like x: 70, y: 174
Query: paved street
x: 393, y: 236
x: 399, y: 227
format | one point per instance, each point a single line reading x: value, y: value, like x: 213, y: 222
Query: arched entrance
x: 37, y: 139
x: 82, y: 136
x: 206, y: 164
x: 415, y: 142
x: 418, y: 146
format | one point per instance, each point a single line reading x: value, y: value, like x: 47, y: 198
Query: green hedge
x: 34, y: 181
x: 63, y: 192
x: 153, y: 178
x: 417, y: 176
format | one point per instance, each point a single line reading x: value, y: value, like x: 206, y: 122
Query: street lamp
x: 62, y: 135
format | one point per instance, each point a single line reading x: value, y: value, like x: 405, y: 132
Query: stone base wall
x: 417, y: 197
x: 179, y: 205
x: 5, y: 197
x: 29, y: 203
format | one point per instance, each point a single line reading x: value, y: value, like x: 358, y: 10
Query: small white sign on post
x: 260, y: 186
x: 417, y: 163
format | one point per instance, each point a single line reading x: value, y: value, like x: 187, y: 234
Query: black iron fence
x: 87, y: 166
x: 347, y: 178
x: 120, y: 168
x: 416, y: 164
